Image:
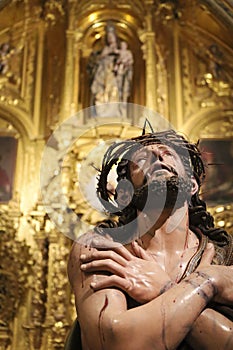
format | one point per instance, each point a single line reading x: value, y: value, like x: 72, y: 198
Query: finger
x: 102, y: 255
x: 103, y: 265
x: 208, y: 255
x: 124, y: 252
x: 140, y: 252
x: 111, y: 281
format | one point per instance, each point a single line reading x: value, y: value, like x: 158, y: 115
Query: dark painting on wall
x: 8, y: 148
x: 218, y: 157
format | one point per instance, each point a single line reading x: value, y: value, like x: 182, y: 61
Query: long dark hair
x: 119, y: 154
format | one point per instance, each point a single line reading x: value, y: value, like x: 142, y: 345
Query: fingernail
x: 93, y: 284
x: 83, y: 256
x: 83, y: 267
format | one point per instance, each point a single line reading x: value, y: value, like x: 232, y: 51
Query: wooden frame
x: 217, y: 188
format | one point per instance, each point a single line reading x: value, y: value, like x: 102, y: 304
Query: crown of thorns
x: 119, y: 154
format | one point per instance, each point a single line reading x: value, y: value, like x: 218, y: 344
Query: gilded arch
x: 211, y: 123
x: 19, y: 120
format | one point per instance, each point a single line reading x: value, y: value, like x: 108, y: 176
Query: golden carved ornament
x: 38, y: 220
x: 57, y: 317
x: 223, y: 217
x: 15, y: 266
x: 53, y: 10
x: 51, y: 309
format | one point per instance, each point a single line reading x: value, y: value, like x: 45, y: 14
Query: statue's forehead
x: 153, y: 146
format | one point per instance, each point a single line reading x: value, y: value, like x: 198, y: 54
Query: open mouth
x: 162, y: 169
x: 160, y: 173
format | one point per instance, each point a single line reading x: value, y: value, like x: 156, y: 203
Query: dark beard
x: 166, y: 193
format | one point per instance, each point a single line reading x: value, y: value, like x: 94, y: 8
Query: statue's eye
x: 141, y: 162
x: 140, y: 158
x: 167, y: 154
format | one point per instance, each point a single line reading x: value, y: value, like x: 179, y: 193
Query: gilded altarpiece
x: 183, y: 70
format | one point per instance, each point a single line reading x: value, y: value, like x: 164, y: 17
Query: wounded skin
x: 101, y: 314
x: 166, y: 319
x: 123, y: 328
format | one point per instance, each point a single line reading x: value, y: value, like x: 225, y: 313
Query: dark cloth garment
x: 73, y: 341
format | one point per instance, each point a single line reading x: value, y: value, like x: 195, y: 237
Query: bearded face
x: 166, y: 193
x: 159, y: 178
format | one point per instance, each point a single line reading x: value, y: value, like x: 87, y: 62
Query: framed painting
x: 8, y: 149
x: 217, y: 188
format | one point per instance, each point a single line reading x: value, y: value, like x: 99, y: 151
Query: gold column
x: 68, y: 83
x: 69, y: 66
x: 31, y: 174
x: 148, y: 39
x: 178, y: 103
x: 77, y: 50
x: 38, y: 85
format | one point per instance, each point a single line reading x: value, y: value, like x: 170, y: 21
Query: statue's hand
x: 137, y: 273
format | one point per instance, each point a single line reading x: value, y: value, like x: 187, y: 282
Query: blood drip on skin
x: 187, y: 233
x: 101, y: 333
x: 186, y: 240
x: 82, y: 281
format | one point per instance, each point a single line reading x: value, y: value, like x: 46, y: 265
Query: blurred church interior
x: 62, y: 58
